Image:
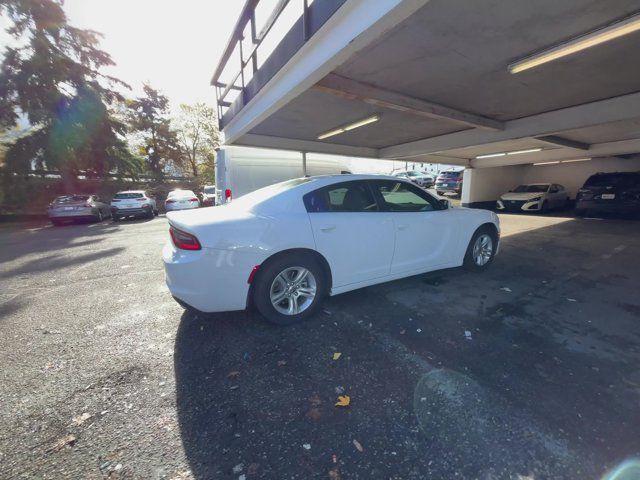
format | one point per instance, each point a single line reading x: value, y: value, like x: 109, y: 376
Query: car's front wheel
x: 481, y: 250
x: 289, y: 289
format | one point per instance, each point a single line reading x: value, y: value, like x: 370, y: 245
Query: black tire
x: 469, y: 262
x: 55, y: 222
x: 115, y: 218
x: 440, y: 193
x: 155, y: 213
x: 98, y: 216
x: 266, y: 277
x: 150, y: 214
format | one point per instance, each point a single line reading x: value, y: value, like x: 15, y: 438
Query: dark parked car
x: 69, y: 208
x: 610, y: 192
x: 449, y: 181
x: 209, y: 196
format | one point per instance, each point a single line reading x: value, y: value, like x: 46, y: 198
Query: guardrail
x: 314, y: 14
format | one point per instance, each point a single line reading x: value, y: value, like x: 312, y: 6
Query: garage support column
x: 481, y: 187
x: 304, y: 164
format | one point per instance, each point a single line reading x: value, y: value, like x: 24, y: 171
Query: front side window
x: 404, y: 197
x: 341, y: 197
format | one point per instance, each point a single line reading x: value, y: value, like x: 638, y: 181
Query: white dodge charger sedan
x: 285, y: 247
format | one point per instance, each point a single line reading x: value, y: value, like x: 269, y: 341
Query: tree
x: 52, y: 76
x: 158, y: 142
x: 198, y: 135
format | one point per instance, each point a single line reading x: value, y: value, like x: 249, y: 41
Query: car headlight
x: 535, y: 199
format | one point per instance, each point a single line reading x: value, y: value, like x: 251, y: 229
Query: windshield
x: 128, y: 195
x: 531, y: 188
x: 72, y: 199
x: 247, y: 201
x: 209, y: 190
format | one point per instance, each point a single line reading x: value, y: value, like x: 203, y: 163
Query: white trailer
x: 241, y: 170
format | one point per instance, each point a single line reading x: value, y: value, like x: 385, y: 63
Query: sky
x: 175, y: 45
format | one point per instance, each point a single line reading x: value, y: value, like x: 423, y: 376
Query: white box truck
x: 241, y: 170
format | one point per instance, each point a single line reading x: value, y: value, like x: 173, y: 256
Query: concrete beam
x: 310, y: 146
x: 614, y: 109
x: 563, y: 142
x: 354, y: 26
x: 372, y: 95
x: 608, y: 149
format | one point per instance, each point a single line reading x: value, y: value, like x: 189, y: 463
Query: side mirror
x: 444, y: 203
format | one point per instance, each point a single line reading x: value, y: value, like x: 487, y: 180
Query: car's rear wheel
x: 289, y: 289
x: 55, y: 222
x: 150, y: 213
x: 98, y: 216
x: 481, y: 249
x: 545, y: 207
x: 115, y: 218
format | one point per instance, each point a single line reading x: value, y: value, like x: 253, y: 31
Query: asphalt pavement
x: 528, y: 371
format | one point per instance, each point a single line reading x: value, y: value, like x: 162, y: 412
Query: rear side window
x: 341, y: 197
x: 404, y: 197
x: 128, y: 195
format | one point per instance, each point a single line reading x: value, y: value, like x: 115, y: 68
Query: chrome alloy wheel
x: 293, y: 290
x: 482, y: 250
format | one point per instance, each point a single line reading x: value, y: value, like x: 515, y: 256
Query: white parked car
x: 422, y: 179
x: 181, y: 200
x: 286, y: 246
x: 534, y: 197
x: 133, y: 203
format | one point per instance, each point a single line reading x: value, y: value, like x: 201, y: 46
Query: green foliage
x: 198, y: 135
x: 52, y: 75
x: 148, y: 117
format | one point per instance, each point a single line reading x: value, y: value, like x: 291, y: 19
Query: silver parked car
x: 421, y: 179
x: 181, y: 200
x: 133, y: 203
x: 77, y: 207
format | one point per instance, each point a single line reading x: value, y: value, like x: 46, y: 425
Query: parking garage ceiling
x: 440, y: 83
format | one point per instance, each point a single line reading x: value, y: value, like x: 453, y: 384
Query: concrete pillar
x: 304, y: 164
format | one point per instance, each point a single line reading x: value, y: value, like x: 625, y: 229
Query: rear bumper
x: 441, y: 188
x: 209, y: 280
x: 604, y: 206
x: 174, y: 208
x: 128, y: 212
x: 71, y: 214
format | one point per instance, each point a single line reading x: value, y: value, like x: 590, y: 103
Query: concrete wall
x: 483, y: 186
x: 573, y: 175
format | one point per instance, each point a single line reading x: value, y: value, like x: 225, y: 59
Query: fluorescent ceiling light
x: 351, y: 126
x: 491, y: 155
x: 518, y: 152
x: 588, y: 40
x: 547, y: 163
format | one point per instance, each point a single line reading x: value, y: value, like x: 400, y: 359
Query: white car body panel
x: 554, y: 199
x: 360, y: 248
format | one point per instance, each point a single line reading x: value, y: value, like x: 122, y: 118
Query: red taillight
x: 140, y: 199
x: 115, y: 200
x: 227, y: 194
x: 170, y: 201
x: 184, y: 240
x: 194, y: 199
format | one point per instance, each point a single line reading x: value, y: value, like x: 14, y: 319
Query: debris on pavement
x: 282, y: 363
x: 402, y: 332
x: 336, y: 355
x: 326, y: 312
x: 238, y: 468
x: 572, y: 300
x: 61, y: 443
x: 419, y: 330
x: 358, y: 446
x: 467, y: 335
x: 306, y: 446
x: 339, y: 390
x: 343, y: 401
x: 506, y: 289
x: 233, y: 374
x: 80, y: 419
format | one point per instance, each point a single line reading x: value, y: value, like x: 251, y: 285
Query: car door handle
x: 403, y: 227
x: 327, y: 228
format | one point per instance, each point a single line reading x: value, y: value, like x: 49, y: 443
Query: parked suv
x: 610, y: 192
x: 77, y: 207
x: 449, y: 181
x: 421, y: 179
x: 133, y: 203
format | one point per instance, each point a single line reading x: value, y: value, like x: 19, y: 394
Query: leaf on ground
x: 336, y: 355
x: 356, y: 444
x: 233, y: 374
x: 80, y: 419
x: 61, y: 443
x: 343, y: 401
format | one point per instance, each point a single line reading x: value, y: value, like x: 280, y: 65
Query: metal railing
x: 319, y: 10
